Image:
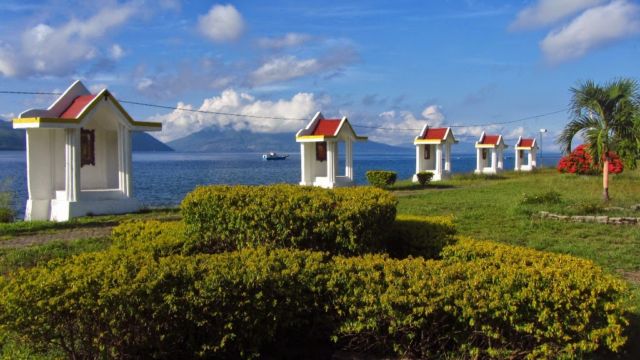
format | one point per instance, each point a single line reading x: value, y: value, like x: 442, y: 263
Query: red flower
x: 580, y: 162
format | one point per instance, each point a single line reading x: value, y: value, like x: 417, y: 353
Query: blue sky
x: 396, y: 64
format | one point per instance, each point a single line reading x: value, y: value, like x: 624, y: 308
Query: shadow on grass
x: 472, y: 176
x: 412, y: 186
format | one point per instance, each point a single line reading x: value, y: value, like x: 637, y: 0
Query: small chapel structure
x: 319, y: 146
x: 79, y: 156
x: 432, y: 145
x: 528, y: 147
x: 490, y: 154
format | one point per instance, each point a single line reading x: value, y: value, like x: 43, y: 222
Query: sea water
x: 163, y: 179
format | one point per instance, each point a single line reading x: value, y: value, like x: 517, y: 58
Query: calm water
x: 163, y: 179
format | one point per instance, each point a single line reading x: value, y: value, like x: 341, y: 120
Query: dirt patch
x: 631, y: 276
x: 65, y: 235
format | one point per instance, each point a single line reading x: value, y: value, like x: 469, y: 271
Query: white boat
x: 274, y: 156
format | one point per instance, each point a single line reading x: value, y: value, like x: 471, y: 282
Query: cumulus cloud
x: 49, y: 50
x: 290, y: 67
x: 595, y: 27
x: 401, y: 126
x: 286, y: 41
x: 179, y: 123
x: 222, y: 23
x: 548, y: 12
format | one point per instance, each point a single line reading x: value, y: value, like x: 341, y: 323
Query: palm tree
x: 604, y: 116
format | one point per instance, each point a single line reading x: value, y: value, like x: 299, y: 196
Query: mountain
x: 227, y: 140
x: 11, y: 139
x: 142, y: 141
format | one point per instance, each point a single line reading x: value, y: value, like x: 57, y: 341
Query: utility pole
x: 542, y: 131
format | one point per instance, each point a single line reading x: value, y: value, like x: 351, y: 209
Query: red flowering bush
x: 580, y: 162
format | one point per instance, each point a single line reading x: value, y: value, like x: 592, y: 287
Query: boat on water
x: 274, y: 156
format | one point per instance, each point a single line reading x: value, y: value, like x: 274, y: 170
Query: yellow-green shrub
x: 414, y: 235
x: 347, y: 221
x: 127, y: 304
x: 482, y: 300
x: 158, y: 238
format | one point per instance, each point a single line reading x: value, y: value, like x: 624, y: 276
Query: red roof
x: 490, y: 140
x: 435, y: 134
x: 327, y: 127
x: 526, y: 143
x: 76, y: 106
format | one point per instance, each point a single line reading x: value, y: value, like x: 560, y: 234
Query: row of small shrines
x: 79, y: 154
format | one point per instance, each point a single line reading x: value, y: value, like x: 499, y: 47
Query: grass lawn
x: 491, y: 208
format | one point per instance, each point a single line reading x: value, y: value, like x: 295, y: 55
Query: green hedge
x: 513, y: 303
x: 420, y: 236
x: 127, y: 304
x: 381, y: 178
x: 157, y: 238
x: 481, y: 300
x: 424, y: 177
x: 345, y: 221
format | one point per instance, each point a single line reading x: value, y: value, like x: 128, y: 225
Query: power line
x: 285, y: 118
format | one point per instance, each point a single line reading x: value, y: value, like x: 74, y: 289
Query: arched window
x: 87, y: 147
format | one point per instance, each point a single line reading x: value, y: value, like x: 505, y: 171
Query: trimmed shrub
x: 123, y: 304
x: 483, y: 300
x: 345, y: 221
x: 155, y: 237
x: 424, y: 177
x: 381, y: 178
x: 424, y: 236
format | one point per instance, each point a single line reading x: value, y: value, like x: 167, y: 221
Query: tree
x: 604, y: 115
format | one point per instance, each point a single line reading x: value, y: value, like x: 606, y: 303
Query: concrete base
x: 525, y: 168
x: 436, y: 176
x: 488, y: 171
x: 90, y: 203
x: 323, y: 182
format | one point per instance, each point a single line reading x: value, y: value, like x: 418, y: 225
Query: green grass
x: 9, y: 230
x: 12, y: 258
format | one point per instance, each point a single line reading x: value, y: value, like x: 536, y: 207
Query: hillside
x: 11, y: 139
x: 227, y: 140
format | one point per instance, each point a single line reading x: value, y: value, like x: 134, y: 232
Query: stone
x: 602, y: 219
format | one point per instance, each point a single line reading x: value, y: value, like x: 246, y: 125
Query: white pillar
x: 122, y: 161
x: 518, y: 161
x: 349, y: 159
x: 532, y: 159
x: 438, y: 173
x: 479, y: 162
x: 72, y: 164
x: 128, y: 160
x: 447, y: 158
x: 331, y: 166
x: 494, y: 160
x: 303, y: 170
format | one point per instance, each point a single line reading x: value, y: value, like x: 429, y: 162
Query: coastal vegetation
x: 381, y: 178
x: 429, y: 291
x: 607, y: 117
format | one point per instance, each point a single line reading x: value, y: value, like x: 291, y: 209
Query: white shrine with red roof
x: 319, y: 146
x: 431, y: 146
x: 490, y: 154
x: 79, y: 156
x: 528, y: 147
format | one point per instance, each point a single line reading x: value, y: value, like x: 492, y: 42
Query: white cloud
x: 548, y: 12
x: 47, y: 50
x: 222, y: 23
x: 96, y: 88
x: 178, y: 123
x: 401, y: 127
x: 595, y: 27
x: 116, y: 52
x: 290, y: 67
x: 288, y: 40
